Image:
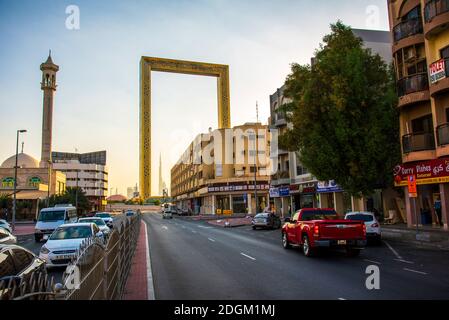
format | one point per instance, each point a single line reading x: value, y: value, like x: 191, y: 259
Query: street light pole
x: 14, y: 204
x: 255, y: 173
x: 76, y: 191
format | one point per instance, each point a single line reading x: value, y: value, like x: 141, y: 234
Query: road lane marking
x: 394, y: 251
x: 415, y: 271
x: 405, y: 261
x: 150, y: 284
x: 210, y: 239
x: 249, y: 257
x: 183, y: 227
x: 341, y: 299
x: 193, y: 231
x: 165, y: 227
x: 372, y: 261
x: 204, y: 227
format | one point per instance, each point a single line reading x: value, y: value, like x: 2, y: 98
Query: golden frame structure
x: 148, y: 64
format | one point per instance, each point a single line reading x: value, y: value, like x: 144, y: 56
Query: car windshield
x: 72, y: 232
x: 308, y: 215
x: 360, y: 217
x: 261, y: 215
x: 98, y: 222
x: 103, y: 215
x: 51, y: 215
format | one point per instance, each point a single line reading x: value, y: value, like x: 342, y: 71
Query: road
x: 194, y: 260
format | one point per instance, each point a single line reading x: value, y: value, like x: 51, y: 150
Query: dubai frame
x: 148, y: 64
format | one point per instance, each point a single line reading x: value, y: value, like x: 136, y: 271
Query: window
x: 447, y: 114
x: 422, y: 124
x: 34, y: 182
x: 8, y: 182
x: 444, y: 53
x: 6, y: 264
x: 22, y: 259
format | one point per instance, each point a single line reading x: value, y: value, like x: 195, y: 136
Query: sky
x: 97, y: 99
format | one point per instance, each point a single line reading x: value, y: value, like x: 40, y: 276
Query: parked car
x: 314, y: 228
x: 17, y: 263
x: 7, y: 237
x: 266, y: 220
x: 167, y: 215
x: 5, y: 225
x: 373, y: 231
x: 107, y: 218
x: 51, y: 218
x: 100, y: 224
x: 130, y: 213
x: 65, y: 241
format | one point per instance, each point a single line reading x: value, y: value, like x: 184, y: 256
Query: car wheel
x: 306, y: 248
x: 254, y: 228
x: 285, y: 242
x: 351, y: 252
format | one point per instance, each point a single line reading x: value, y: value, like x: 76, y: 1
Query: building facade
x: 421, y: 60
x: 293, y: 187
x: 87, y: 171
x: 222, y: 171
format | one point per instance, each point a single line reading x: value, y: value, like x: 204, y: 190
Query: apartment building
x: 87, y: 171
x: 421, y: 59
x: 221, y: 172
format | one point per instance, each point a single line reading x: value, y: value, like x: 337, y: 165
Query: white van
x: 51, y: 218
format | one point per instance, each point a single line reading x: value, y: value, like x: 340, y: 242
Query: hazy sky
x: 97, y: 101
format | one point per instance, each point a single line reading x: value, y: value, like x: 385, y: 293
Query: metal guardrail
x: 442, y: 132
x: 101, y: 270
x: 418, y: 142
x: 413, y: 83
x: 407, y: 28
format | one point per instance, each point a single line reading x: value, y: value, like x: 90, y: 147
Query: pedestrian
x: 437, y: 207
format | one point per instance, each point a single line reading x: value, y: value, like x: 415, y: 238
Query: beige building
x: 218, y: 172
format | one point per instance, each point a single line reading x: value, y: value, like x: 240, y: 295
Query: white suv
x: 373, y: 231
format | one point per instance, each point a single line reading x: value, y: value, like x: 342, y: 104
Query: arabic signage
x: 279, y: 192
x: 303, y: 188
x: 437, y: 71
x: 328, y: 186
x: 426, y: 172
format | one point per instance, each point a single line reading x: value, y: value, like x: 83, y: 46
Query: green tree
x: 69, y: 197
x: 344, y: 114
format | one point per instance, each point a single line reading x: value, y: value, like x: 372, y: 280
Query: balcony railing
x: 418, y: 142
x: 407, y: 28
x: 414, y: 83
x: 434, y: 8
x: 443, y: 134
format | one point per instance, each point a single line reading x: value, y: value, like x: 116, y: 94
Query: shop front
x: 431, y: 204
x: 303, y: 195
x: 281, y: 200
x: 331, y: 195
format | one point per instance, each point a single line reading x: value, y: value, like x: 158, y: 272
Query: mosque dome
x: 23, y: 161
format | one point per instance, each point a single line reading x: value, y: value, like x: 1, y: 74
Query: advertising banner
x: 426, y: 172
x: 328, y: 186
x: 437, y: 71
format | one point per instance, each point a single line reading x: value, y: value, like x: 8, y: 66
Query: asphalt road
x: 194, y: 260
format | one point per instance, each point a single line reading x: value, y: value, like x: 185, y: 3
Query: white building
x: 87, y: 171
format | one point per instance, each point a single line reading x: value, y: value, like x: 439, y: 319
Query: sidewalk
x: 137, y: 284
x: 24, y: 229
x: 427, y: 236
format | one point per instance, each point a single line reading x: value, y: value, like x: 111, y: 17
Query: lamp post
x: 49, y: 183
x: 14, y: 205
x: 255, y: 173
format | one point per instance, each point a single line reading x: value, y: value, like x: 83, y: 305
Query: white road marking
x: 415, y: 271
x: 183, y: 227
x: 204, y: 227
x: 394, y: 251
x: 249, y: 257
x: 405, y: 261
x: 150, y: 284
x: 165, y: 227
x: 210, y: 239
x: 341, y: 299
x: 193, y: 231
x: 372, y: 261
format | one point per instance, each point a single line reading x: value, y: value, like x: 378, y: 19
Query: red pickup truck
x: 314, y: 228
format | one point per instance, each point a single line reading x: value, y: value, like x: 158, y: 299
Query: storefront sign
x: 328, y: 186
x: 233, y: 188
x: 303, y: 188
x: 284, y: 191
x: 437, y: 71
x: 274, y: 192
x: 426, y: 172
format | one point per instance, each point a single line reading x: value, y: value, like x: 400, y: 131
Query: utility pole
x: 76, y: 191
x: 255, y: 172
x: 14, y: 203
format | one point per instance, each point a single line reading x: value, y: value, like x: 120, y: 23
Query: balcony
x: 414, y: 142
x: 413, y: 89
x: 408, y: 33
x: 436, y: 17
x: 279, y: 119
x: 442, y: 84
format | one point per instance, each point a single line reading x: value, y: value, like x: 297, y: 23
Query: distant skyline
x: 97, y: 101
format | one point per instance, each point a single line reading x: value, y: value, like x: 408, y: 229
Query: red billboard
x: 426, y: 172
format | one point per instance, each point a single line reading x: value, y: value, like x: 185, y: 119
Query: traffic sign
x: 411, y: 183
